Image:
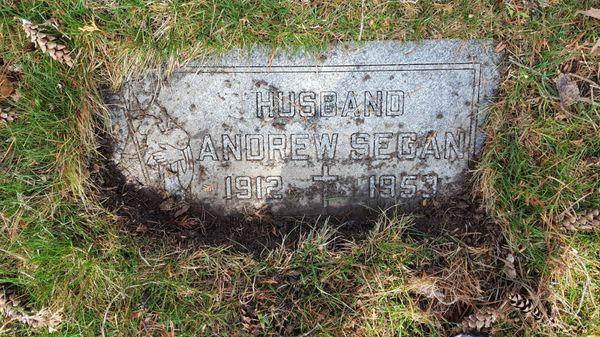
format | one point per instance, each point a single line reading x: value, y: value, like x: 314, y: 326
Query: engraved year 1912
x: 246, y: 187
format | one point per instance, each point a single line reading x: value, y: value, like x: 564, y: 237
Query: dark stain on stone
x: 201, y: 172
x: 261, y: 83
x: 279, y: 126
x: 227, y: 127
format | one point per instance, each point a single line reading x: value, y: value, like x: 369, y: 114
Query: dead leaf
x: 592, y: 12
x: 500, y: 47
x: 187, y: 222
x: 182, y: 211
x: 535, y: 201
x: 567, y: 90
x: 6, y: 87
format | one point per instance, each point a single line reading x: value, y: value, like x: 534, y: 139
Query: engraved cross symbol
x: 324, y: 178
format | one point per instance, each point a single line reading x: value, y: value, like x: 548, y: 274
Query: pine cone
x: 526, y: 306
x: 12, y: 309
x: 589, y: 220
x: 482, y: 318
x: 7, y: 115
x: 46, y: 43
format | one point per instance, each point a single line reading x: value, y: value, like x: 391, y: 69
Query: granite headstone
x: 373, y: 124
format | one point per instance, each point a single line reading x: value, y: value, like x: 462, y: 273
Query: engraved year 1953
x: 389, y: 186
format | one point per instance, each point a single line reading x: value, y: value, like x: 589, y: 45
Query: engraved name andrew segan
x: 325, y: 146
x: 384, y: 145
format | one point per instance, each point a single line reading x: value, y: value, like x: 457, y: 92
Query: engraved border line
x: 274, y: 69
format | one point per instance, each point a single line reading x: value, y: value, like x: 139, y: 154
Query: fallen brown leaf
x: 567, y: 90
x: 6, y: 87
x: 500, y: 47
x: 181, y: 211
x: 535, y: 201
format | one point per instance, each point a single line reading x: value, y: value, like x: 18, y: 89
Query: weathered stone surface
x: 374, y: 124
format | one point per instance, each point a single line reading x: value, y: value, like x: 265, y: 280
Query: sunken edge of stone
x: 368, y: 124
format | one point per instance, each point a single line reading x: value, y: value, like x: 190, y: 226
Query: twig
x: 362, y: 20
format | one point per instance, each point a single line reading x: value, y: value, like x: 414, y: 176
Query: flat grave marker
x: 373, y: 124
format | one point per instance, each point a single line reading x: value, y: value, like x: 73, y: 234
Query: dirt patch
x: 152, y: 213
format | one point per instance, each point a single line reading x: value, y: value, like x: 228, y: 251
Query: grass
x: 59, y: 249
